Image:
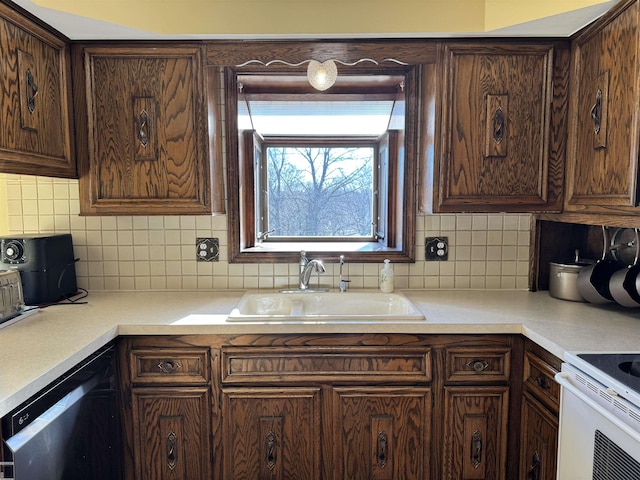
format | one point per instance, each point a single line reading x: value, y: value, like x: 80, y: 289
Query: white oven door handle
x: 561, y: 378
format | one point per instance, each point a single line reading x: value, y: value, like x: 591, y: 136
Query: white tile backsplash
x: 486, y: 251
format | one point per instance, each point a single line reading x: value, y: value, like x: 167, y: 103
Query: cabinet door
x: 35, y: 87
x: 495, y: 152
x: 381, y: 433
x: 475, y: 433
x: 172, y: 431
x: 602, y: 163
x: 147, y: 132
x: 539, y: 441
x: 271, y: 433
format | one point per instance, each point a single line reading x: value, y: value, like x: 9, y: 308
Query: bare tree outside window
x: 320, y: 191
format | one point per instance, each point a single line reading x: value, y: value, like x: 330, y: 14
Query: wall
x: 372, y: 18
x: 4, y: 214
x: 487, y: 251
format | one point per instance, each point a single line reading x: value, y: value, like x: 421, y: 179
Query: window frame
x: 317, y: 142
x: 402, y: 208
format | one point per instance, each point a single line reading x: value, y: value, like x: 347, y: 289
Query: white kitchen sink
x: 325, y: 307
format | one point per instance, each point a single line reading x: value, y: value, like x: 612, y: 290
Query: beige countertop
x: 39, y: 348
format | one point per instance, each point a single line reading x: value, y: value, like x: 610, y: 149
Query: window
x: 317, y: 191
x: 328, y: 172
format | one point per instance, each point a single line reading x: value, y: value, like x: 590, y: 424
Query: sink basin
x: 324, y: 307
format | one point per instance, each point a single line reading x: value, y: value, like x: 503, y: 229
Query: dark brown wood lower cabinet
x: 271, y: 433
x: 475, y: 433
x: 381, y: 433
x: 539, y: 441
x: 171, y: 429
x: 321, y: 407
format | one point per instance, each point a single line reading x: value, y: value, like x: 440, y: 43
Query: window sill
x: 289, y: 252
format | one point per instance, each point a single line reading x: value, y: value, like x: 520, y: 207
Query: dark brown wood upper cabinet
x: 146, y: 130
x: 35, y: 90
x: 502, y: 127
x: 602, y: 166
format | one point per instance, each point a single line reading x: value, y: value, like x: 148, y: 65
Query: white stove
x: 599, y: 436
x: 620, y: 372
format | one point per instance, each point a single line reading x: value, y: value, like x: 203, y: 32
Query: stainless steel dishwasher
x: 69, y: 430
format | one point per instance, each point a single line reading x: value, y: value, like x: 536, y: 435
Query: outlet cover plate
x: 436, y: 249
x: 207, y: 249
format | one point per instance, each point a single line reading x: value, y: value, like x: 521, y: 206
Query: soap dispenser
x: 386, y: 277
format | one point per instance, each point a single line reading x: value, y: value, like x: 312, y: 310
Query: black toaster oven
x: 46, y: 264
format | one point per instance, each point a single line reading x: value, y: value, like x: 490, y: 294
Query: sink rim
x: 236, y: 316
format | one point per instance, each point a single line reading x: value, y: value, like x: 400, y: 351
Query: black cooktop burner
x: 623, y: 367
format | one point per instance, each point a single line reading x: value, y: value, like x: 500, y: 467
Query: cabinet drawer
x: 265, y: 365
x: 477, y: 364
x: 539, y: 379
x: 169, y: 366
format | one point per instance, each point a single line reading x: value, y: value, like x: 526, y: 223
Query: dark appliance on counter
x: 69, y: 430
x: 46, y: 264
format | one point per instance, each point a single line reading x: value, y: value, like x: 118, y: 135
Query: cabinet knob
x: 477, y: 364
x: 543, y: 382
x: 169, y: 366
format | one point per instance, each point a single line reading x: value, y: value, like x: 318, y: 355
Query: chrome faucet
x: 306, y: 268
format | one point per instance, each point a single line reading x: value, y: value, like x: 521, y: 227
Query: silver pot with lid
x: 563, y: 279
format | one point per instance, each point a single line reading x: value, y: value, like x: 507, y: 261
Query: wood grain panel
x: 260, y: 365
x: 35, y: 139
x: 486, y: 410
x: 171, y: 432
x: 476, y: 173
x: 477, y: 365
x: 296, y: 442
x: 123, y: 176
x: 158, y: 366
x: 232, y: 53
x: 539, y: 441
x: 402, y: 414
x: 602, y: 172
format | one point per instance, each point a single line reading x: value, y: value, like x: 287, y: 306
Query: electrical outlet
x: 436, y: 248
x: 207, y: 249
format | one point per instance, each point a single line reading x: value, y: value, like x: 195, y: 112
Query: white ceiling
x: 82, y: 28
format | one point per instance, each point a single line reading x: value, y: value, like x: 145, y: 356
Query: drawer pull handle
x: 543, y: 382
x: 169, y: 366
x: 143, y: 128
x: 32, y: 92
x: 536, y: 466
x: 172, y: 458
x: 271, y: 445
x: 383, y: 449
x: 477, y: 365
x: 596, y: 112
x: 498, y: 125
x: 476, y: 449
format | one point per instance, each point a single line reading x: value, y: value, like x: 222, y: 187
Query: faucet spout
x: 306, y: 268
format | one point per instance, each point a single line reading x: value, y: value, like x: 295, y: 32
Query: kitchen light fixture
x: 323, y: 75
